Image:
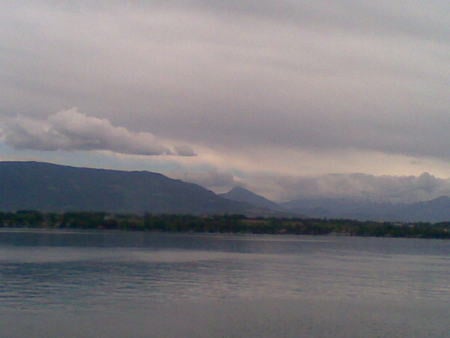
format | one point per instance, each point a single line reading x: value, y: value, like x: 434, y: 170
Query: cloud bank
x: 358, y: 186
x: 71, y: 130
x: 395, y: 189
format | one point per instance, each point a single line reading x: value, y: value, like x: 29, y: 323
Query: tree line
x: 222, y: 224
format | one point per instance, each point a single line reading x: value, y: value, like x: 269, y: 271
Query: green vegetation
x: 223, y: 224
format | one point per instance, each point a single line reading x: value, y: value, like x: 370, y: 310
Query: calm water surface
x: 122, y: 284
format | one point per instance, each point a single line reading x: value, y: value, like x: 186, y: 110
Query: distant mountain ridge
x: 436, y: 210
x: 50, y: 187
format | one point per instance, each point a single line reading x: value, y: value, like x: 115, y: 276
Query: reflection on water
x: 118, y: 284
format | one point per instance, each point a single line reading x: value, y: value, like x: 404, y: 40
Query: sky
x: 291, y: 99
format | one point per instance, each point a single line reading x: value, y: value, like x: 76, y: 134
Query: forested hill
x: 50, y: 187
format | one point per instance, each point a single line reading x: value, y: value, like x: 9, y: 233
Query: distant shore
x: 222, y: 224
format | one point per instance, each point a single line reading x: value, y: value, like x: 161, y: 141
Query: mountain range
x: 50, y: 187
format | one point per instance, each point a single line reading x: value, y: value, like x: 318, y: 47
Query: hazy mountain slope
x: 50, y: 187
x: 437, y: 210
x: 240, y: 194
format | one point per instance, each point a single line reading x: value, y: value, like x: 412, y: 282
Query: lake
x: 137, y: 284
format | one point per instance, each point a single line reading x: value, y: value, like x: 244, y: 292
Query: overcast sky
x: 273, y: 95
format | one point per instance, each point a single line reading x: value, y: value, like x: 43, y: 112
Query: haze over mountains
x: 436, y: 210
x: 50, y: 187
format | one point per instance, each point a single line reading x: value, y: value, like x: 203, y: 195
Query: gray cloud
x: 72, y: 130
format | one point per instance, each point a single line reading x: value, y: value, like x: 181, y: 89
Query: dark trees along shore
x: 221, y: 224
